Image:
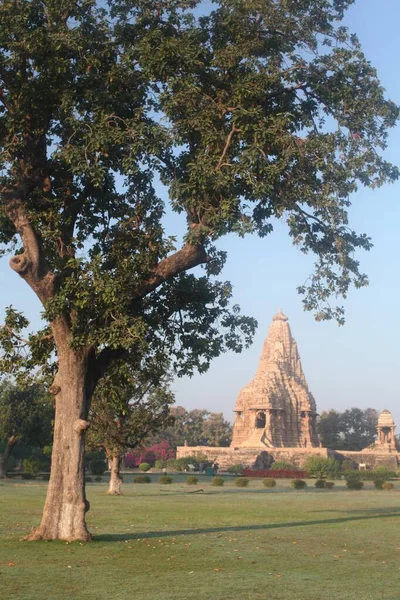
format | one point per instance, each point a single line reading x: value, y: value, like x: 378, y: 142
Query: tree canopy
x: 353, y: 429
x: 198, y: 427
x: 262, y: 109
x: 25, y: 415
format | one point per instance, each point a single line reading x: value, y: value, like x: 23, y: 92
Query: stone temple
x: 276, y: 409
x: 276, y: 416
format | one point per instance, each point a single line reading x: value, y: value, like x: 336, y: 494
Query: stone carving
x: 276, y: 409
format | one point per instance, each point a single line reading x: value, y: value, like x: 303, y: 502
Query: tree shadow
x: 121, y: 537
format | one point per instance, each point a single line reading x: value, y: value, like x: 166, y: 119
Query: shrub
x: 278, y: 474
x: 354, y: 484
x: 165, y: 479
x: 387, y: 486
x: 88, y: 479
x: 192, y: 480
x: 348, y: 465
x: 98, y: 478
x: 384, y: 473
x: 217, y: 481
x: 46, y: 476
x: 378, y: 483
x: 298, y: 484
x: 329, y: 484
x: 282, y: 465
x: 321, y: 468
x: 30, y: 466
x: 269, y: 482
x: 142, y: 479
x: 242, y: 482
x: 320, y: 483
x: 27, y: 476
x: 235, y: 469
x: 171, y: 464
x: 98, y: 467
x: 144, y: 467
x: 159, y: 464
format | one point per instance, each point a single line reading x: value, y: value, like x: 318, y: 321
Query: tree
x: 122, y: 416
x: 263, y: 109
x: 197, y: 427
x: 25, y: 415
x: 354, y: 429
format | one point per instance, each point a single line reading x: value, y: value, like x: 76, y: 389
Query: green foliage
x: 129, y: 404
x: 98, y: 478
x: 192, y: 480
x: 144, y: 467
x: 26, y: 413
x: 378, y: 483
x: 329, y: 485
x: 235, y: 469
x: 384, y: 473
x: 182, y: 464
x: 269, y: 482
x: 298, y: 484
x: 88, y: 479
x: 171, y: 464
x: 282, y: 465
x: 240, y: 139
x: 217, y: 481
x: 31, y: 467
x: 165, y: 479
x: 354, y: 429
x: 159, y: 464
x: 242, y: 482
x: 348, y: 465
x: 354, y: 484
x: 142, y: 479
x: 98, y: 467
x: 196, y: 428
x: 320, y: 467
x: 387, y: 486
x: 320, y: 483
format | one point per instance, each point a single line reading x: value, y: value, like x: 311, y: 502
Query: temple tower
x: 276, y: 409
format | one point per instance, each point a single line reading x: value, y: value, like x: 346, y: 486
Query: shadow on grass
x: 121, y: 537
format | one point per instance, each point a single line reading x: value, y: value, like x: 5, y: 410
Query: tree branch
x: 191, y: 255
x: 30, y: 265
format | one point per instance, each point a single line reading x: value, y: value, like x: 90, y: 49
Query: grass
x: 167, y: 543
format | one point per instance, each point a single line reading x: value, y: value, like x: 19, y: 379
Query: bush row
x: 276, y: 473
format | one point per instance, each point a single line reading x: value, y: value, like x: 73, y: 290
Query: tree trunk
x: 66, y: 505
x: 6, y: 455
x: 114, y: 487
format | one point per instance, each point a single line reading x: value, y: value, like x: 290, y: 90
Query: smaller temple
x: 386, y: 428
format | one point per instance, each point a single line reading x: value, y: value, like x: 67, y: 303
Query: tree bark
x: 114, y: 487
x: 12, y: 440
x: 66, y: 505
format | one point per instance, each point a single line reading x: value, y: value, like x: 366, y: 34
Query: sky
x: 354, y: 365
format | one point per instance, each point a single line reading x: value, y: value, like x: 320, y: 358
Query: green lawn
x: 165, y: 543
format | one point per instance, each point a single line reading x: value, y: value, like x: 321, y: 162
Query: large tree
x: 26, y: 415
x: 263, y: 109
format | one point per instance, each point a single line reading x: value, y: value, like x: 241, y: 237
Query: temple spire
x: 276, y: 408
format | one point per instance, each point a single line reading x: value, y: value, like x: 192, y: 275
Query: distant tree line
x: 353, y: 429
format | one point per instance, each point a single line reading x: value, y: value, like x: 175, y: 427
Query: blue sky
x: 354, y: 365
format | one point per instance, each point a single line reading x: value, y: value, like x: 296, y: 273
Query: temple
x: 276, y: 409
x: 276, y: 416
